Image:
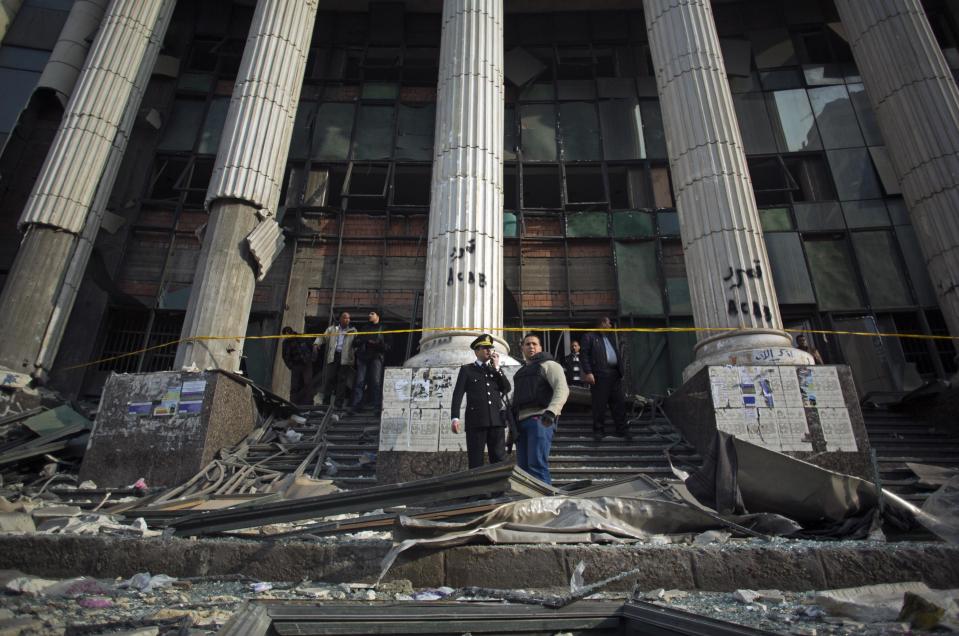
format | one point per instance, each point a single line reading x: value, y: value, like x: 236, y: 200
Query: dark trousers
x: 301, y: 383
x: 608, y: 390
x: 336, y: 381
x: 478, y: 440
x: 369, y: 374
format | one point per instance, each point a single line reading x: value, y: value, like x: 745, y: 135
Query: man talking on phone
x: 485, y: 388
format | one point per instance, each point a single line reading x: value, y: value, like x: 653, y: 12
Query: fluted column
x: 241, y: 236
x: 730, y: 279
x: 916, y: 102
x: 58, y: 208
x: 464, y: 276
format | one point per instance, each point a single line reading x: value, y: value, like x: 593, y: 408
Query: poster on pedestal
x: 837, y: 429
x: 394, y: 429
x: 424, y: 430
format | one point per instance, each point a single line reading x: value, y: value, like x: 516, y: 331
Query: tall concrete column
x: 730, y: 280
x: 58, y: 211
x: 916, y: 102
x: 464, y: 275
x: 242, y: 237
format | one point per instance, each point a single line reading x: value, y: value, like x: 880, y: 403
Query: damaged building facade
x: 855, y: 241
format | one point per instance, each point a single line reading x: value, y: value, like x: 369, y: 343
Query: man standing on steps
x: 538, y: 399
x: 370, y: 349
x: 338, y: 372
x: 485, y: 388
x: 298, y: 358
x: 602, y: 368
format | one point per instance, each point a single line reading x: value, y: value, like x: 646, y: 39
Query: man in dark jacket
x: 485, y: 388
x: 370, y: 349
x: 573, y: 366
x: 539, y: 397
x: 603, y: 369
x: 298, y: 358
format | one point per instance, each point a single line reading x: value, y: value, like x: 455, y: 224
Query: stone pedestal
x: 415, y: 437
x: 165, y: 426
x: 807, y: 412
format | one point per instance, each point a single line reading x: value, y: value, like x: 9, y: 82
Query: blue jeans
x: 369, y: 373
x: 532, y: 447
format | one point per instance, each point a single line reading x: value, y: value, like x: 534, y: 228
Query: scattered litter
x: 711, y: 536
x: 433, y: 594
x: 759, y: 596
x: 576, y: 581
x: 291, y: 436
x: 261, y: 587
x: 95, y: 602
x: 143, y: 582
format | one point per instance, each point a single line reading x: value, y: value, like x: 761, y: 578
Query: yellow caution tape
x: 825, y: 332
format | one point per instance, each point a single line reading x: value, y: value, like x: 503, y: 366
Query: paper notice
x: 424, y: 430
x: 820, y: 387
x: 724, y: 383
x: 731, y: 421
x: 396, y: 387
x: 837, y: 429
x: 394, y: 429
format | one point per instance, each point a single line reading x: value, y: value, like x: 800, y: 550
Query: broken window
x: 421, y: 65
x: 166, y: 179
x: 662, y: 191
x: 882, y: 273
x: 541, y: 187
x: 638, y: 278
x: 367, y: 180
x: 411, y: 185
x: 332, y: 130
x: 811, y: 178
x: 300, y: 138
x: 538, y: 122
x: 510, y: 138
x: 574, y: 63
x: 510, y: 192
x: 414, y: 131
x: 619, y: 187
x: 584, y: 185
x: 832, y: 274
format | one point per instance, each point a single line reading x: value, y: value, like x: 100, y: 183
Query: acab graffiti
x: 741, y: 275
x: 470, y: 277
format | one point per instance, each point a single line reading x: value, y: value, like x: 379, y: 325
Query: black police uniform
x: 484, y: 388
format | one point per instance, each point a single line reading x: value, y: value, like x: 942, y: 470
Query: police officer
x: 485, y: 387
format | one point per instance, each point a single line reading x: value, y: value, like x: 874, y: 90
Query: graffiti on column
x: 464, y: 276
x: 737, y: 277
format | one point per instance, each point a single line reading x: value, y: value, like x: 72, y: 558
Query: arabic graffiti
x: 469, y: 277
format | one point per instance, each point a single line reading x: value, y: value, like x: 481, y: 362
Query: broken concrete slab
x: 16, y: 522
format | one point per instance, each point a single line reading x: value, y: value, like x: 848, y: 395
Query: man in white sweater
x: 539, y: 393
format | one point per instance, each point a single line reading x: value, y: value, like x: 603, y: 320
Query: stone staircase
x: 576, y: 456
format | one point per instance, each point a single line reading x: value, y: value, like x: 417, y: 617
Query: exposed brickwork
x: 138, y: 288
x: 191, y: 221
x: 584, y: 299
x: 155, y: 218
x: 408, y: 225
x: 589, y: 248
x: 406, y: 248
x: 418, y: 94
x: 544, y: 300
x: 365, y: 225
x: 543, y: 250
x: 362, y: 248
x: 542, y: 226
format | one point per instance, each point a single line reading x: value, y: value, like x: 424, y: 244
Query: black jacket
x: 592, y: 354
x: 484, y: 388
x: 370, y: 347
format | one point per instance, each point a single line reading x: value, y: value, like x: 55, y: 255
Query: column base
x: 768, y: 347
x: 452, y: 349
